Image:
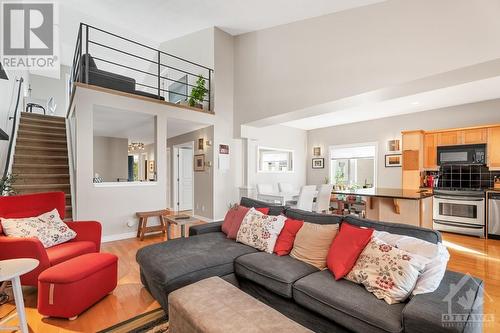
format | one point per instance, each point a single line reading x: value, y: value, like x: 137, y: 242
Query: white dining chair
x: 286, y: 188
x: 306, y: 197
x: 265, y: 192
x: 323, y: 198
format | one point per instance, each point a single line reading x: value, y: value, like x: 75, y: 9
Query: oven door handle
x: 459, y: 198
x: 461, y: 225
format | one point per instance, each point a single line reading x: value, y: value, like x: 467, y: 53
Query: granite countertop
x: 392, y: 193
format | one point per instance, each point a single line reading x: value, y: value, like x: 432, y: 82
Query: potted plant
x: 198, y: 93
x: 6, y: 185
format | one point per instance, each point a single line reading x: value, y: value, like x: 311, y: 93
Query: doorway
x: 183, y: 176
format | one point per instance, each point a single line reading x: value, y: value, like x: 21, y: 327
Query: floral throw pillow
x: 48, y: 228
x: 260, y: 231
x: 386, y: 271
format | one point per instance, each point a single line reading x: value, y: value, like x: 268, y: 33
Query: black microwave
x: 462, y: 154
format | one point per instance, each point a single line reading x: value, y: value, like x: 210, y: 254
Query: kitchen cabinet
x: 494, y: 148
x: 430, y: 151
x: 412, y: 158
x: 449, y: 138
x: 474, y: 136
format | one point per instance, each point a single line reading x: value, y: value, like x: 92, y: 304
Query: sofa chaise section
x: 171, y: 265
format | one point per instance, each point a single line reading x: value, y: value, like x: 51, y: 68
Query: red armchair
x: 88, y: 239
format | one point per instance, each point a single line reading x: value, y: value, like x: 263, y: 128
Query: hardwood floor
x: 479, y: 257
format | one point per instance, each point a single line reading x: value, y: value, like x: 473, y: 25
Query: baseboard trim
x: 116, y: 237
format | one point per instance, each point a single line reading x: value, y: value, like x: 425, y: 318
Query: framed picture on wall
x: 318, y: 163
x: 393, y: 146
x: 392, y: 161
x: 201, y: 143
x: 199, y: 162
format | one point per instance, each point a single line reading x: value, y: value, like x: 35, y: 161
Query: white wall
x: 382, y: 130
x: 8, y: 96
x: 111, y: 158
x: 319, y: 60
x: 203, y: 181
x: 43, y: 87
x: 281, y: 137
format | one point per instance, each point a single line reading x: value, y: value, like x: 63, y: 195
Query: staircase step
x: 42, y: 122
x: 37, y: 116
x: 69, y: 212
x: 41, y: 135
x: 34, y: 150
x: 24, y: 126
x: 24, y: 189
x: 40, y: 159
x: 42, y: 178
x: 36, y: 142
x: 68, y: 199
x: 33, y: 168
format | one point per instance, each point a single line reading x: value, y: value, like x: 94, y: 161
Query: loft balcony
x: 108, y: 62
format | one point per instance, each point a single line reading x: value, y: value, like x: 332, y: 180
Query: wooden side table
x: 12, y: 270
x: 182, y: 222
x: 143, y: 223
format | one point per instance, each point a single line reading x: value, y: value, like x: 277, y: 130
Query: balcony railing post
x: 87, y: 54
x: 80, y: 62
x: 209, y: 90
x: 159, y: 73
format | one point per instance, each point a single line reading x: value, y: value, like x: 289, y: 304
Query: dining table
x: 281, y: 197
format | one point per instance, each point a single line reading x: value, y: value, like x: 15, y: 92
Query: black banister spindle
x: 159, y: 73
x: 209, y: 90
x: 86, y: 54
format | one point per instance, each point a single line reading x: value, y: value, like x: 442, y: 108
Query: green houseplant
x: 198, y: 93
x: 6, y: 185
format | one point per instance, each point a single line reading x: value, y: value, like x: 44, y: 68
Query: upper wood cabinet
x: 430, y: 151
x: 476, y: 135
x: 494, y: 148
x: 449, y: 138
x: 462, y: 137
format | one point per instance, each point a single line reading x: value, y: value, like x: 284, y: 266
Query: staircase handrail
x: 13, y: 136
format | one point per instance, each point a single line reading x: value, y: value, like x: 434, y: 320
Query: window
x: 353, y: 165
x: 275, y: 160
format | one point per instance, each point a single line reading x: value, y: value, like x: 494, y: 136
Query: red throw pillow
x: 263, y: 210
x: 284, y: 243
x: 346, y: 248
x: 232, y: 221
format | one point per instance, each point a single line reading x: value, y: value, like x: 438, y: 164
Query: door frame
x: 175, y: 175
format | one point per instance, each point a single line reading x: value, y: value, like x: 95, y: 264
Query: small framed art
x: 318, y: 163
x: 199, y: 162
x: 393, y: 160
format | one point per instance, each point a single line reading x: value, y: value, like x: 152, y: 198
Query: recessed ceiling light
x: 415, y: 103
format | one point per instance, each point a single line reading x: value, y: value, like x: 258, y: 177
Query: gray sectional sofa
x: 300, y: 291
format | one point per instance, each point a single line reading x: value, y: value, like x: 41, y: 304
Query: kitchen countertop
x: 392, y: 193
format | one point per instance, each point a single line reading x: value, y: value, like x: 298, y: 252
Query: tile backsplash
x: 466, y: 176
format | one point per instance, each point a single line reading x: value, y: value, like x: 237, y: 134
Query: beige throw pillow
x: 312, y: 243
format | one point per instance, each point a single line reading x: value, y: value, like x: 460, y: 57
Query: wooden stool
x: 143, y: 223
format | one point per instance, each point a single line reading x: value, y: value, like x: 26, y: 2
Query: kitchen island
x: 413, y: 207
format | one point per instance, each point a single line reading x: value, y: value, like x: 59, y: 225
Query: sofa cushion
x: 272, y: 272
x: 312, y: 217
x: 396, y: 228
x: 233, y: 219
x: 173, y: 264
x: 273, y: 209
x: 284, y: 243
x: 347, y: 303
x: 65, y: 251
x: 260, y: 231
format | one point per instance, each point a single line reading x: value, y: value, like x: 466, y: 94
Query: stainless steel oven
x: 459, y: 211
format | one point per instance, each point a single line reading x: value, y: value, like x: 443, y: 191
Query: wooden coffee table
x: 181, y: 220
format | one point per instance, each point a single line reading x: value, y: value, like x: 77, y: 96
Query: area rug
x: 154, y: 321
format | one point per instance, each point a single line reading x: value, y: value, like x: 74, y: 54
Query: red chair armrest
x: 87, y: 231
x: 14, y: 247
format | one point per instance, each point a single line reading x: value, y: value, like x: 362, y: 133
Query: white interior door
x: 185, y: 179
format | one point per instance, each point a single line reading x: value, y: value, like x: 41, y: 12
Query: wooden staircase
x: 41, y: 157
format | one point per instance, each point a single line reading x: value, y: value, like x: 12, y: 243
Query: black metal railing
x: 148, y: 68
x: 14, y: 119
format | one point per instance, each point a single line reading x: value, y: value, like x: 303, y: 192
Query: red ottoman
x: 71, y: 287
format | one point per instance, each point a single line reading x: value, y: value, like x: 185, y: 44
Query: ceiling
x: 136, y: 126
x: 155, y: 21
x: 470, y: 92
